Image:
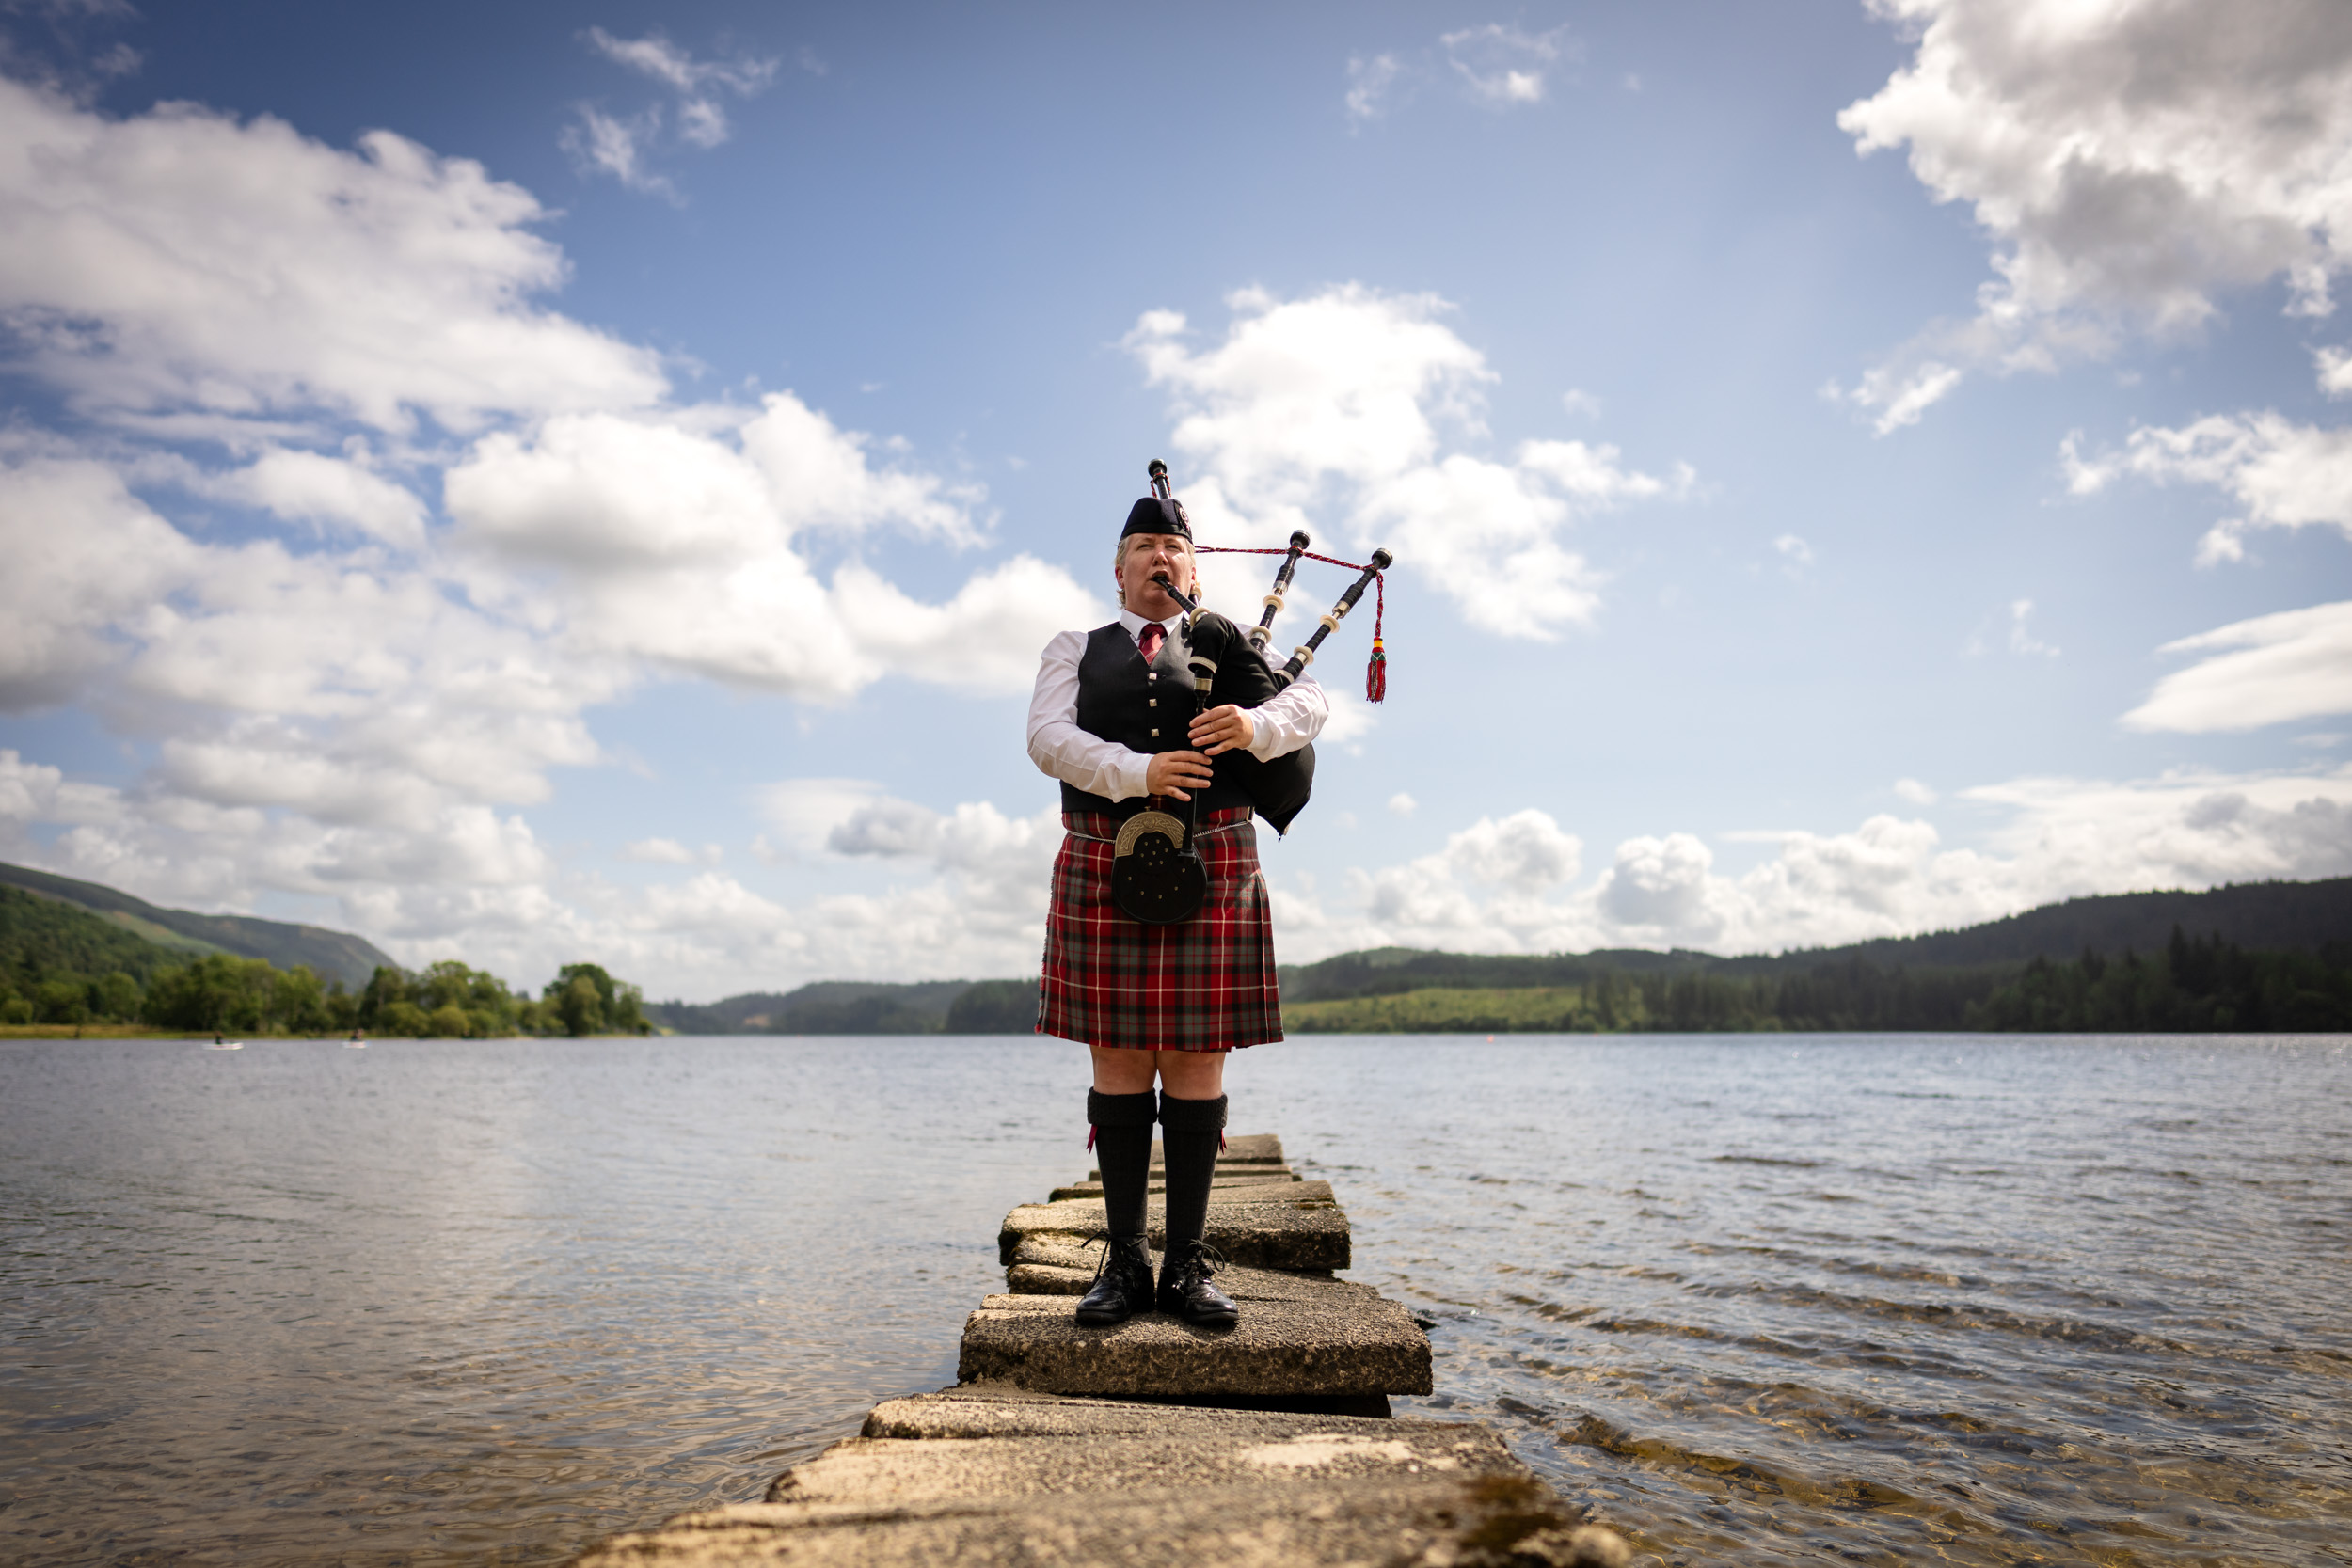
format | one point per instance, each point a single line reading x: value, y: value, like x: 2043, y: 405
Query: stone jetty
x: 1155, y: 1442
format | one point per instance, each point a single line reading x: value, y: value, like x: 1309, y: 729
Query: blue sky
x: 592, y: 482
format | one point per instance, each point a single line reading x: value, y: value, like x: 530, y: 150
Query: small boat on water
x: 226, y: 1045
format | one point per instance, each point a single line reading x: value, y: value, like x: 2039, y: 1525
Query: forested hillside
x: 39, y: 935
x: 333, y: 954
x: 822, y: 1007
x: 66, y: 965
x: 2186, y: 985
x: 2300, y: 917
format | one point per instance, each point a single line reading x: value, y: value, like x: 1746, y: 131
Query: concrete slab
x: 1241, y: 1149
x: 903, y: 1470
x: 1245, y: 1176
x: 1006, y: 1410
x: 1298, y: 1335
x: 1397, y: 1516
x: 1302, y: 1229
x: 1261, y: 1189
x: 1041, y: 1269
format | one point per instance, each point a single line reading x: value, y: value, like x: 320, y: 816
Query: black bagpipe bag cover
x: 1278, y: 789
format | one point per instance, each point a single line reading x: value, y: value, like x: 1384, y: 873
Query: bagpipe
x: 1157, y: 875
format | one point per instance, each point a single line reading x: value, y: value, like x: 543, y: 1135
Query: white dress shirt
x: 1279, y: 726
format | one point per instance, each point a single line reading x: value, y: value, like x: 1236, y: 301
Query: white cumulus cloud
x: 351, y: 697
x: 2281, y: 473
x: 2134, y: 160
x: 2057, y: 838
x: 184, y: 267
x: 1345, y: 404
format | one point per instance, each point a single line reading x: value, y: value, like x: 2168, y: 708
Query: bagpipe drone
x: 1156, y: 873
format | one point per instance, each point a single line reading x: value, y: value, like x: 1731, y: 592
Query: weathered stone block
x: 1007, y: 1410
x: 1245, y: 1176
x: 1042, y: 1268
x: 1387, y: 1513
x: 1302, y: 1229
x: 1241, y: 1149
x: 1298, y: 1335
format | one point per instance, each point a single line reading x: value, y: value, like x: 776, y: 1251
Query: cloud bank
x: 2131, y: 160
x: 1509, y: 884
x: 349, y: 532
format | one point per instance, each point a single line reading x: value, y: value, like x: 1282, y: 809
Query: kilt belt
x: 1205, y: 984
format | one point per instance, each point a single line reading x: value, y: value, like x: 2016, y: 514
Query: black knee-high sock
x: 1122, y: 1148
x: 1190, y: 1130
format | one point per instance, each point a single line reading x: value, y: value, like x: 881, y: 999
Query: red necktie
x: 1153, y: 635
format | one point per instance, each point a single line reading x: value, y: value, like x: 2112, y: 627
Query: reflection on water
x: 1798, y: 1299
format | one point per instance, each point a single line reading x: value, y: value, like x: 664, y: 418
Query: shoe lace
x: 1105, y: 1243
x: 1209, y: 1260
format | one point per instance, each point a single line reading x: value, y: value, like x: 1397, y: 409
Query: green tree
x: 587, y: 1001
x: 385, y: 988
x: 298, y: 1002
x: 578, y: 1003
x: 217, y: 992
x: 404, y: 1017
x: 451, y: 1023
x: 115, y: 997
x: 64, y: 999
x: 994, y: 1007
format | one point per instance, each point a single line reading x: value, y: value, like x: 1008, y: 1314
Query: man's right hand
x: 1174, y: 773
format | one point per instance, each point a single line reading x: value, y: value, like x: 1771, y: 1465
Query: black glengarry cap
x: 1153, y: 516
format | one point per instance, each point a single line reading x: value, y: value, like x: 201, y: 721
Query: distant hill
x: 1907, y: 978
x: 821, y: 1008
x: 1393, y: 970
x: 330, y: 955
x: 2269, y: 917
x: 41, y: 935
x: 2277, y: 917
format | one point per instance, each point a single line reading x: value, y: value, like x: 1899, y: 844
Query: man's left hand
x: 1223, y: 729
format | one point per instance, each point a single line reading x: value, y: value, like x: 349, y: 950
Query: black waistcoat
x: 1117, y: 698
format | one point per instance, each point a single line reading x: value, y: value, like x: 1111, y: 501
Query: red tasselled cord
x: 1376, y: 668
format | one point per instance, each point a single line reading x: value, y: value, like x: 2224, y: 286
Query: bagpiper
x: 1165, y: 729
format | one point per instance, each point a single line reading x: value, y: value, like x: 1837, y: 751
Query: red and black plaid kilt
x: 1203, y: 984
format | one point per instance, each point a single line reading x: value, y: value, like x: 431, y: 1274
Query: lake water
x: 1770, y: 1299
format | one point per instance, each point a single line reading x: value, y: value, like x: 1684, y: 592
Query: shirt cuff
x: 1134, y: 774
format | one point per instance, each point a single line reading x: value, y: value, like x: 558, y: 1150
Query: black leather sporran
x: 1157, y: 877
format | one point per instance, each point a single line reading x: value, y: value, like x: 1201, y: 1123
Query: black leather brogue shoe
x: 1186, y: 1292
x: 1122, y: 1283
